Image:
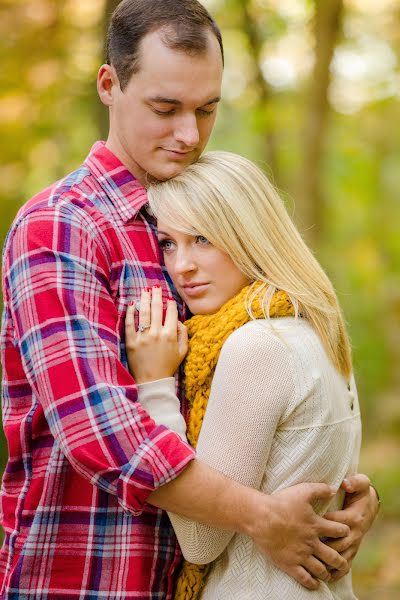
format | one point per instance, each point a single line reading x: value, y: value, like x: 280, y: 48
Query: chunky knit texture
x: 207, y: 334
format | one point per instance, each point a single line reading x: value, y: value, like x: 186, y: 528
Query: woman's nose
x: 184, y: 262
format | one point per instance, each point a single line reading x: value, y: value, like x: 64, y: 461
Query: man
x: 88, y: 467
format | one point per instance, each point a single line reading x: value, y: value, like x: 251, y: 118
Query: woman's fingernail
x: 157, y: 287
x: 132, y: 303
x: 171, y: 299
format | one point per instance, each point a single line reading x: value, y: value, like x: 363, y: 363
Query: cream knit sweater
x: 279, y: 414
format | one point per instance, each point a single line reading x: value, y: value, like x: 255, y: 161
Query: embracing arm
x: 57, y: 275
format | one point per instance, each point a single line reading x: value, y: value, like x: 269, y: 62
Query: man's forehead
x: 180, y: 89
x: 176, y: 75
x: 155, y: 57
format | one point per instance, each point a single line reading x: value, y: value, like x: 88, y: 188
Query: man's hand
x: 284, y: 525
x: 293, y: 542
x: 359, y: 511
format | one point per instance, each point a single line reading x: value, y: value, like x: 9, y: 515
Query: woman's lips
x: 195, y: 290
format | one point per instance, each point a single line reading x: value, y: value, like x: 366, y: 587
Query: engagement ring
x: 143, y: 328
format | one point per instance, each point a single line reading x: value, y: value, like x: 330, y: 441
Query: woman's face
x: 204, y: 276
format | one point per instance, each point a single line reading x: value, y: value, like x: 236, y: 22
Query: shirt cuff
x: 159, y: 459
x: 159, y: 400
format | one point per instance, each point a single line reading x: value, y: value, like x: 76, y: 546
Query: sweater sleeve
x: 252, y: 386
x: 159, y: 400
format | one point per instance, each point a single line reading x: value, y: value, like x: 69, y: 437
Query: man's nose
x: 187, y: 131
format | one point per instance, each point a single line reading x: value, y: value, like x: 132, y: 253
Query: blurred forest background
x: 312, y: 93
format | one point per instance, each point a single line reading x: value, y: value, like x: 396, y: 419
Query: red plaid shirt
x: 83, y: 455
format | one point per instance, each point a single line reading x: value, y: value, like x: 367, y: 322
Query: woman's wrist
x: 168, y: 380
x: 159, y: 400
x: 147, y: 377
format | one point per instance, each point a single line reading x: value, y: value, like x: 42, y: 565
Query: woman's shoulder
x: 286, y: 333
x: 257, y: 341
x: 287, y: 340
x: 260, y: 364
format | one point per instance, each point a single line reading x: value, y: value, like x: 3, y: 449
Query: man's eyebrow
x: 213, y: 101
x: 163, y: 100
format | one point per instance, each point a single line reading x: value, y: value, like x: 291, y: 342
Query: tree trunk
x: 264, y: 90
x: 309, y: 194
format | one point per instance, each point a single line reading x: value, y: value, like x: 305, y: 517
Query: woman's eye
x: 200, y: 239
x: 165, y: 245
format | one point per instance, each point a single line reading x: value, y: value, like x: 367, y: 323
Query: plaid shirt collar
x: 122, y: 189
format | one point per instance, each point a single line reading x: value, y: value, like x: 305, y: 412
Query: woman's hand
x: 154, y: 351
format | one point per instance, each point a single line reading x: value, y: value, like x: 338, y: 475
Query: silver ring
x: 143, y: 328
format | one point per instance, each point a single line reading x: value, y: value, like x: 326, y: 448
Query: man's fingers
x: 317, y: 491
x: 356, y: 484
x: 332, y: 529
x: 329, y: 556
x: 341, y: 545
x: 304, y: 578
x: 340, y: 516
x: 349, y: 554
x: 316, y: 568
x: 338, y: 574
x: 156, y: 309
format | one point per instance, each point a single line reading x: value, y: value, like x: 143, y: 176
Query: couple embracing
x: 249, y: 452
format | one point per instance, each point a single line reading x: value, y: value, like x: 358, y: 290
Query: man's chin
x: 169, y: 172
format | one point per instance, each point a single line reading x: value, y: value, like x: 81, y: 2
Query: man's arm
x: 283, y: 525
x: 57, y: 280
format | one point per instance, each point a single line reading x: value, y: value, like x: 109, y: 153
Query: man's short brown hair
x: 184, y: 25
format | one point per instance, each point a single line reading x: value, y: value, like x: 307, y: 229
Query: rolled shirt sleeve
x: 57, y: 278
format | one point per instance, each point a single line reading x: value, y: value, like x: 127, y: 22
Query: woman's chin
x: 202, y: 308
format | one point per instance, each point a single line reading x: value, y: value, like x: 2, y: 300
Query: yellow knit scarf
x: 207, y: 334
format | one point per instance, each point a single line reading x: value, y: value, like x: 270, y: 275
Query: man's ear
x: 107, y: 80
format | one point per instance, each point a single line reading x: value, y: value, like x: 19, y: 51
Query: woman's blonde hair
x: 228, y: 199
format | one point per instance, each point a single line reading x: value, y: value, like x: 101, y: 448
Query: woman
x: 268, y: 334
